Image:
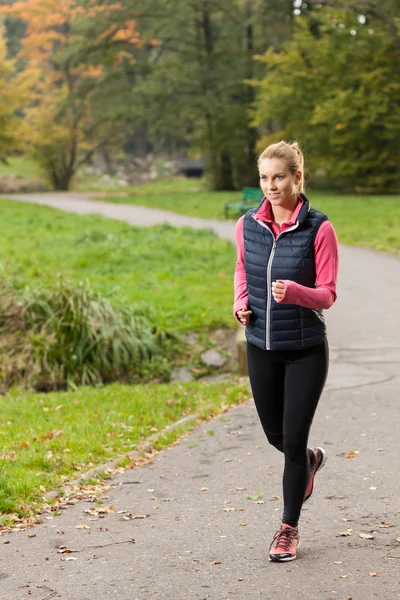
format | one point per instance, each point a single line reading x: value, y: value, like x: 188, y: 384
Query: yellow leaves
x: 351, y: 454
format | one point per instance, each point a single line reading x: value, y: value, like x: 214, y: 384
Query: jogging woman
x: 285, y: 275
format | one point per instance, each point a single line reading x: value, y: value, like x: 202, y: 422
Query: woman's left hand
x: 278, y: 290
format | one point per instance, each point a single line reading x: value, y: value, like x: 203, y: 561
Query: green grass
x: 366, y: 221
x: 369, y: 221
x: 185, y: 274
x: 47, y: 438
x: 21, y: 166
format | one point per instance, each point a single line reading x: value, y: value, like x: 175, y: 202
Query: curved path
x: 212, y: 502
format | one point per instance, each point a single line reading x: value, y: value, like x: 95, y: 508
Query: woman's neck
x: 283, y: 214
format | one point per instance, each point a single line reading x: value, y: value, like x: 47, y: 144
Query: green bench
x: 250, y: 198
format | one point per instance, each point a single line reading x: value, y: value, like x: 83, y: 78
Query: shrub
x: 66, y: 337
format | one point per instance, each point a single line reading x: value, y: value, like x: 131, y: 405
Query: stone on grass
x: 181, y: 374
x: 212, y: 358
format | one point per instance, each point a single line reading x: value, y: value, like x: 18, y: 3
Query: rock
x: 190, y: 338
x: 212, y: 358
x: 181, y: 374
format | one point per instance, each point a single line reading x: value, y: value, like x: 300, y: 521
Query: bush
x: 66, y: 337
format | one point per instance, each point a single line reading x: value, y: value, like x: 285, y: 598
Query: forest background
x: 209, y: 79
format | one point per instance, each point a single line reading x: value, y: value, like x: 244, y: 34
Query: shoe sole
x: 322, y: 464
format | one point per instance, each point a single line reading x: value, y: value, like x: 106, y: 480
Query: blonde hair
x: 291, y: 154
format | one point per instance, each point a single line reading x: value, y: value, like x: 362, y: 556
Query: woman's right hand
x: 244, y: 315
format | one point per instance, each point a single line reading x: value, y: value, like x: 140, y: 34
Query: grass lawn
x: 21, y: 166
x: 48, y: 438
x: 185, y: 274
x: 369, y: 221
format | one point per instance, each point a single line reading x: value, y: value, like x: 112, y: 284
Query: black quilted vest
x: 276, y: 326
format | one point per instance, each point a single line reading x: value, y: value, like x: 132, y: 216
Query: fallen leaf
x: 373, y: 574
x: 6, y: 542
x: 344, y: 576
x: 383, y: 524
x: 398, y: 539
x: 71, y: 558
x: 240, y: 489
x: 338, y: 562
x: 24, y: 444
x: 31, y: 535
x: 350, y: 454
x: 259, y: 502
x: 345, y: 533
x: 367, y: 536
x: 216, y: 562
x: 242, y: 524
x: 82, y: 526
x: 229, y: 509
x: 274, y: 497
x: 65, y: 550
x: 204, y: 489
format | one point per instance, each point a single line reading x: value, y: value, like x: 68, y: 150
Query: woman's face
x: 277, y: 182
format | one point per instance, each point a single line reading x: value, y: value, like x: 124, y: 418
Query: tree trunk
x: 251, y: 178
x: 224, y: 173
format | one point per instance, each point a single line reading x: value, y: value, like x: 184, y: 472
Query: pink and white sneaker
x: 284, y: 545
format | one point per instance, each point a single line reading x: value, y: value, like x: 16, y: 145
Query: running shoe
x: 318, y: 458
x: 284, y: 545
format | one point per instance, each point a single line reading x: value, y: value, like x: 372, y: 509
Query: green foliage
x: 318, y: 90
x: 70, y: 336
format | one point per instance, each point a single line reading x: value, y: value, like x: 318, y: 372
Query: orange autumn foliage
x: 61, y: 131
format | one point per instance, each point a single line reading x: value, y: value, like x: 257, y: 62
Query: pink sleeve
x: 326, y: 267
x: 240, y: 285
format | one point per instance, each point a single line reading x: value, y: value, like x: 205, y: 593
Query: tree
x: 14, y: 94
x: 338, y: 94
x: 64, y: 120
x: 192, y: 87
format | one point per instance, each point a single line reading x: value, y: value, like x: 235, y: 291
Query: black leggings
x: 286, y: 386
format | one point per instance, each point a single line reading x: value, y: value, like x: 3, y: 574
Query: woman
x: 285, y: 275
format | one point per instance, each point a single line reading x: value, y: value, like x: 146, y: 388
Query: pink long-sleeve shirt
x: 326, y: 264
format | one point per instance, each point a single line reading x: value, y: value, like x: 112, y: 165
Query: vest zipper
x: 269, y: 297
x: 269, y: 282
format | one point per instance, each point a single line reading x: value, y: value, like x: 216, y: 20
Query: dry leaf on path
x: 351, y: 454
x: 345, y: 533
x: 383, y: 524
x: 367, y: 536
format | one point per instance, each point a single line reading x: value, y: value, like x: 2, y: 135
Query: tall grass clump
x: 72, y: 336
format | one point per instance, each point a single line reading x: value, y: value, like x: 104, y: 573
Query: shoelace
x: 284, y: 538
